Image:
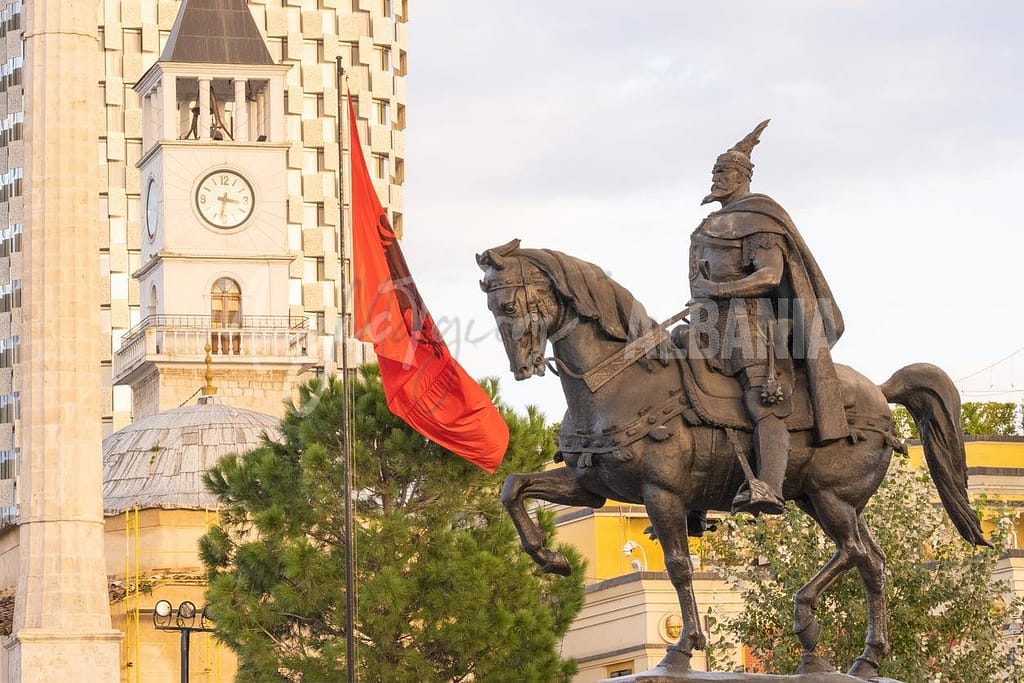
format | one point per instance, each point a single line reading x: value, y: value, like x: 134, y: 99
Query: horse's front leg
x: 668, y: 517
x: 558, y: 486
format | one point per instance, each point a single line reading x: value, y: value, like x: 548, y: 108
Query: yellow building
x: 631, y: 607
x: 155, y: 510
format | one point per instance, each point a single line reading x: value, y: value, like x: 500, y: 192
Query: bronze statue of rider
x: 765, y: 307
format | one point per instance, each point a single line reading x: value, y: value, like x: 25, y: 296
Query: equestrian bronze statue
x: 680, y: 421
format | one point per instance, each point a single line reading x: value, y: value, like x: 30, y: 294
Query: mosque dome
x: 158, y: 462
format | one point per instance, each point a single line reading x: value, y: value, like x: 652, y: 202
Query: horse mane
x: 587, y: 287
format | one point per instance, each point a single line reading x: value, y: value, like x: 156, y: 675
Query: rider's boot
x: 771, y: 441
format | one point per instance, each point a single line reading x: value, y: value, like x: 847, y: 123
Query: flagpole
x: 346, y: 404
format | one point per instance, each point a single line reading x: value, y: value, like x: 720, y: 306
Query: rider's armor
x: 743, y: 340
x: 725, y: 252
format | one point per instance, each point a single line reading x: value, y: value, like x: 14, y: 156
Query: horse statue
x: 640, y: 428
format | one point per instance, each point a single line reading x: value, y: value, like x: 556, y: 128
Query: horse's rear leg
x: 668, y: 517
x: 806, y: 600
x: 854, y: 548
x: 558, y: 486
x: 872, y: 574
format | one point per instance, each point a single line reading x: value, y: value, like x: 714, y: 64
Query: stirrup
x: 757, y: 499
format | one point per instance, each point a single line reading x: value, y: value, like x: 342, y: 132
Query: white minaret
x: 62, y: 628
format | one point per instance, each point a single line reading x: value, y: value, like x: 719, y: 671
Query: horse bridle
x: 534, y: 310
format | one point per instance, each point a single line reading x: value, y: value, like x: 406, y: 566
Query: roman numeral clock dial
x: 225, y: 199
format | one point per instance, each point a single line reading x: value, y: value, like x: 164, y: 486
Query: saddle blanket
x: 717, y: 399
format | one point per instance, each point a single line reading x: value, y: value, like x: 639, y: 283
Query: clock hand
x: 224, y: 200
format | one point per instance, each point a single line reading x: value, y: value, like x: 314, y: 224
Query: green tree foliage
x: 985, y: 418
x: 946, y: 615
x: 989, y: 418
x: 444, y: 591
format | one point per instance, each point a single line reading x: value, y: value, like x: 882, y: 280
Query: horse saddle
x: 717, y: 399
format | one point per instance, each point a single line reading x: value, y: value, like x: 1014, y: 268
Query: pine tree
x: 444, y: 591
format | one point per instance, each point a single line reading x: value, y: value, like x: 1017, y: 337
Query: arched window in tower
x: 225, y: 314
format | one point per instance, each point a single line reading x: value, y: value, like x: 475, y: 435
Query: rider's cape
x: 817, y: 321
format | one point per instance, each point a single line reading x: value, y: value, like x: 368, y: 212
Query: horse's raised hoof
x: 676, y: 660
x: 864, y: 668
x: 808, y: 634
x: 555, y: 563
x: 811, y: 663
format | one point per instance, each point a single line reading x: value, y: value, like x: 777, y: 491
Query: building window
x: 10, y: 351
x: 225, y: 313
x: 10, y: 296
x: 11, y: 128
x: 226, y: 303
x: 9, y: 463
x: 382, y: 112
x: 619, y: 670
x: 384, y: 57
x: 381, y: 166
x: 10, y: 407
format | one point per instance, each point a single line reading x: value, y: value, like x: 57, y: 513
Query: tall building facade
x: 306, y: 38
x: 178, y: 282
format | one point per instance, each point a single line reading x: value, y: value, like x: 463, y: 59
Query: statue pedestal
x: 675, y: 668
x: 658, y: 675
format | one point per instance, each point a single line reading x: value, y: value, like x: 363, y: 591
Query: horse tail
x: 933, y: 401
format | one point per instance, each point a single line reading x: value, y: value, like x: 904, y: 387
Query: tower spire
x: 215, y: 32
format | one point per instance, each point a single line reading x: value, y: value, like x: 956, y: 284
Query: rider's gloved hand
x: 679, y: 335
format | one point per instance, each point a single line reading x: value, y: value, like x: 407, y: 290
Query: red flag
x: 423, y: 384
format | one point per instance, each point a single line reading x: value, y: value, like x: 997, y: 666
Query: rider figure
x: 766, y: 306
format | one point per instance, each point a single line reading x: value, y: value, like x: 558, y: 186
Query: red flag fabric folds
x: 423, y: 384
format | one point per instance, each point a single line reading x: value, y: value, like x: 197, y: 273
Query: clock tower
x: 215, y: 258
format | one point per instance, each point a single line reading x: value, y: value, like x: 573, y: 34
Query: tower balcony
x: 260, y: 340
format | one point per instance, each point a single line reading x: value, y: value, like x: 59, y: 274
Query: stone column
x: 241, y: 112
x: 148, y: 135
x: 261, y: 113
x: 275, y: 110
x: 170, y: 121
x: 205, y: 118
x: 62, y: 628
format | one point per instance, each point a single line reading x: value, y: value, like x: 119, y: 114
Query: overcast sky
x: 590, y: 126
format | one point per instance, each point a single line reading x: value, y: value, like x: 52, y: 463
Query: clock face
x: 224, y: 199
x: 152, y: 215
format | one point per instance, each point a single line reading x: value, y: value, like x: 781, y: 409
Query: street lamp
x: 184, y: 621
x: 628, y: 549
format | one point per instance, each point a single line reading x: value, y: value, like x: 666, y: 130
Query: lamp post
x: 184, y: 622
x: 630, y: 546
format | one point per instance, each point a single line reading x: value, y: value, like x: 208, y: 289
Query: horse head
x: 524, y: 304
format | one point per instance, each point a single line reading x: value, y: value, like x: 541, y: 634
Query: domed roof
x: 158, y: 461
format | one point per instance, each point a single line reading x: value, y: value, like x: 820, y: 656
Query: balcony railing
x: 260, y: 338
x: 205, y: 322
